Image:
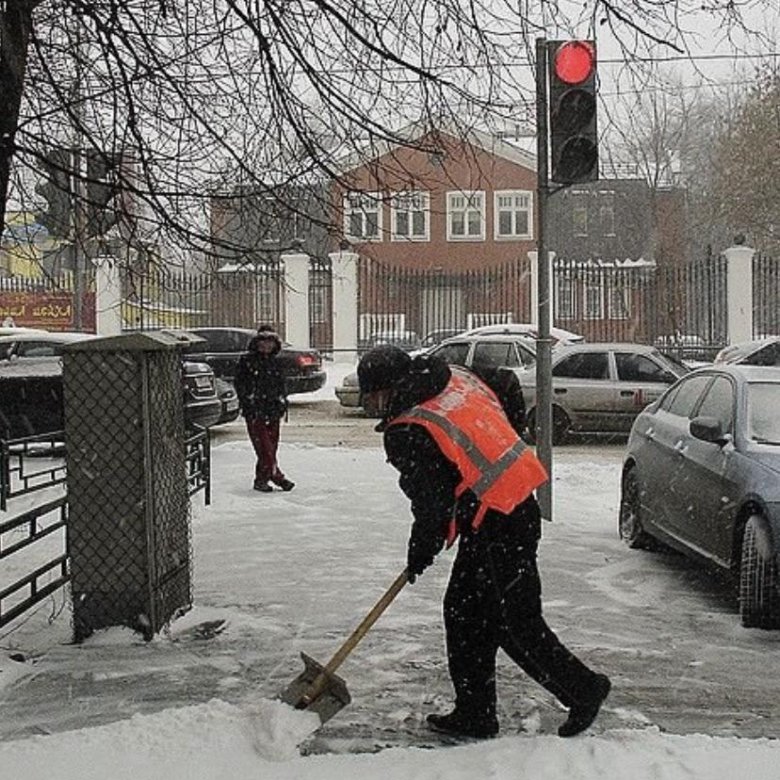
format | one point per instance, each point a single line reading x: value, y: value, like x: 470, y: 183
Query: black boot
x: 286, y: 485
x: 262, y: 486
x: 464, y: 726
x: 582, y: 715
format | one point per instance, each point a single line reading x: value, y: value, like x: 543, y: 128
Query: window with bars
x: 594, y: 301
x: 579, y: 218
x: 411, y: 216
x: 363, y: 216
x: 564, y: 298
x: 607, y: 216
x: 618, y: 302
x: 465, y: 216
x: 513, y: 214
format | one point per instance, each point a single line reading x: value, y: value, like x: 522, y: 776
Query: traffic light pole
x: 544, y: 340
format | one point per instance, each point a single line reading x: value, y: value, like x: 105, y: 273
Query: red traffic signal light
x: 572, y: 119
x: 574, y: 62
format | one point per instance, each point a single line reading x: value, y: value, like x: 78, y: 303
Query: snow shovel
x: 317, y: 688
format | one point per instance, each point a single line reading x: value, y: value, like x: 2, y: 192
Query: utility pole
x: 544, y: 339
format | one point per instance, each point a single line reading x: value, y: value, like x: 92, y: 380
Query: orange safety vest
x: 467, y: 422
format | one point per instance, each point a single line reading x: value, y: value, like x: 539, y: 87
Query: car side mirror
x: 708, y: 429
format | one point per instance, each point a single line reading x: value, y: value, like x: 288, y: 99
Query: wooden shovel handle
x: 322, y: 678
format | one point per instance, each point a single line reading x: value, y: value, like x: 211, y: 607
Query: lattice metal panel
x: 129, y: 526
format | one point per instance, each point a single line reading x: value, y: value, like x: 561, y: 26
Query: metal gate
x: 414, y: 303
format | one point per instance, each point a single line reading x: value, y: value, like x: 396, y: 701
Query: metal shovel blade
x: 333, y: 697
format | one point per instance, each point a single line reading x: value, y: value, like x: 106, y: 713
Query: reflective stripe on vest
x: 467, y: 422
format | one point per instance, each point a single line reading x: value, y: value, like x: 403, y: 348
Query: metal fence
x: 408, y: 304
x: 682, y: 309
x: 680, y: 306
x: 241, y: 297
x: 766, y: 295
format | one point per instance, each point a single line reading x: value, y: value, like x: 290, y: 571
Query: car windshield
x: 678, y: 367
x: 763, y: 420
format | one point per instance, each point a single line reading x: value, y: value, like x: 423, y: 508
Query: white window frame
x: 514, y: 208
x: 411, y: 203
x: 363, y: 203
x: 466, y: 208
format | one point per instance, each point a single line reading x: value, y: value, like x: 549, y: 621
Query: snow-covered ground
x: 292, y: 572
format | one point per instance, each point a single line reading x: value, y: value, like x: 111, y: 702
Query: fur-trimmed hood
x: 265, y: 335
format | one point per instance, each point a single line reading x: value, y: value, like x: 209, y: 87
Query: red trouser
x: 264, y: 435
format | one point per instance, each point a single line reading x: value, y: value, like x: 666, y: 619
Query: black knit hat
x: 382, y: 367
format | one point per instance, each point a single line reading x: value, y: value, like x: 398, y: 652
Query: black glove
x: 420, y: 557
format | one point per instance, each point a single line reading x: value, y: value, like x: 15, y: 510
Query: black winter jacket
x: 260, y: 384
x: 427, y: 477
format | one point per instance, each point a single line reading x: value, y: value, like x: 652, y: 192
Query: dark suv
x: 31, y: 393
x: 224, y: 346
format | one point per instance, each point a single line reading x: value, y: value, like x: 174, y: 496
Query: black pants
x: 493, y: 601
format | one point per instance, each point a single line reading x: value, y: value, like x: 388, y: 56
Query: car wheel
x: 759, y: 601
x: 560, y: 425
x: 630, y: 526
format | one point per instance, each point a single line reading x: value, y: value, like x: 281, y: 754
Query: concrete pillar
x: 108, y: 296
x: 296, y: 300
x: 739, y: 292
x: 345, y: 306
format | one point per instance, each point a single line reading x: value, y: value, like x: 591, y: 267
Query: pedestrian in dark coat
x: 493, y: 599
x: 260, y: 386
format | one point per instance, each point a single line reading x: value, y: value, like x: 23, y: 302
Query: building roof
x: 417, y: 131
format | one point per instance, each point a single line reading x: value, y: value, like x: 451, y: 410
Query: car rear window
x: 632, y: 367
x: 453, y: 353
x: 583, y: 365
x: 491, y: 354
x: 766, y: 356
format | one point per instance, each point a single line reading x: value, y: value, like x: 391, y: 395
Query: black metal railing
x: 19, y: 533
x: 198, y: 444
x: 30, y: 464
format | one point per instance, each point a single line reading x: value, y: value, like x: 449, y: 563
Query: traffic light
x: 572, y: 99
x: 57, y: 189
x: 101, y: 190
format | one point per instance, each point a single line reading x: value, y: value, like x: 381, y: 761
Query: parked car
x: 686, y: 346
x: 223, y: 348
x: 407, y: 340
x: 475, y: 351
x: 229, y: 400
x: 31, y: 395
x: 600, y: 388
x: 434, y: 337
x: 702, y: 474
x: 527, y: 329
x: 760, y: 352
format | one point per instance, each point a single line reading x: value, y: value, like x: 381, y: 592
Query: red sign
x: 47, y: 310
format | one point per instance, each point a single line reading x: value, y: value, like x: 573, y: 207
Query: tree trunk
x: 15, y: 29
